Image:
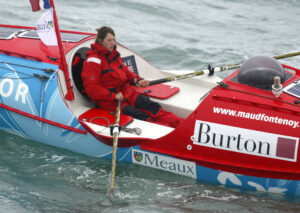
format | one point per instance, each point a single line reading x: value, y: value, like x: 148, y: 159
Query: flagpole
x: 63, y: 63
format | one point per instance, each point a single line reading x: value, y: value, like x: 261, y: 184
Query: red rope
x: 42, y: 119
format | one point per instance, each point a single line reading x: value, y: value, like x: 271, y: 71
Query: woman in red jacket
x: 106, y: 79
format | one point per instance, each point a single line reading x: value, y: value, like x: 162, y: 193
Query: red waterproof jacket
x: 104, y: 74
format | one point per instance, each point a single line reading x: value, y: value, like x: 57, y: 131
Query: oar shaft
x: 228, y: 67
x: 115, y: 145
x: 236, y: 66
x: 114, y: 159
x: 158, y: 81
x: 217, y: 69
x: 178, y: 77
x: 287, y: 55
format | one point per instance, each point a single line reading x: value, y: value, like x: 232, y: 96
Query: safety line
x: 53, y: 123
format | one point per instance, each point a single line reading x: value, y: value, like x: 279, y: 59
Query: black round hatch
x: 259, y: 71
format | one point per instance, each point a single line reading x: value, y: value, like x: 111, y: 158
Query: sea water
x: 170, y: 34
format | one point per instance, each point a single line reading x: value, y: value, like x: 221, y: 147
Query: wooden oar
x: 115, y: 132
x: 209, y: 71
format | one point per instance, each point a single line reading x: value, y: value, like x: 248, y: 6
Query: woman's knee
x: 134, y: 112
x: 145, y: 103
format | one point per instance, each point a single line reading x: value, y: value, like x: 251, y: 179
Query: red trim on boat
x: 42, y: 119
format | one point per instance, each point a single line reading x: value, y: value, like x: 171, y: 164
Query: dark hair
x: 103, y: 31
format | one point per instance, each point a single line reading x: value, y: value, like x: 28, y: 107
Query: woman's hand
x: 119, y: 96
x: 143, y: 83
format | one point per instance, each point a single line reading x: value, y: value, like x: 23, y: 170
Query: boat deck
x: 183, y: 103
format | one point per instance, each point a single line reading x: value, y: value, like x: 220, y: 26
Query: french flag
x: 37, y: 5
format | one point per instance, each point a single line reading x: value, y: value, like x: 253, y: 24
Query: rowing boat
x: 240, y: 131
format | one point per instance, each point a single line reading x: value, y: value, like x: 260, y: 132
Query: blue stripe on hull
x: 270, y: 185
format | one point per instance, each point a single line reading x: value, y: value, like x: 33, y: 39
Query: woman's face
x: 109, y: 42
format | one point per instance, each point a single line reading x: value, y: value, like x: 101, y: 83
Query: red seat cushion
x: 104, y: 117
x: 160, y: 91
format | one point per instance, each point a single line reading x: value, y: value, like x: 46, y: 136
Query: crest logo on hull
x: 165, y: 163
